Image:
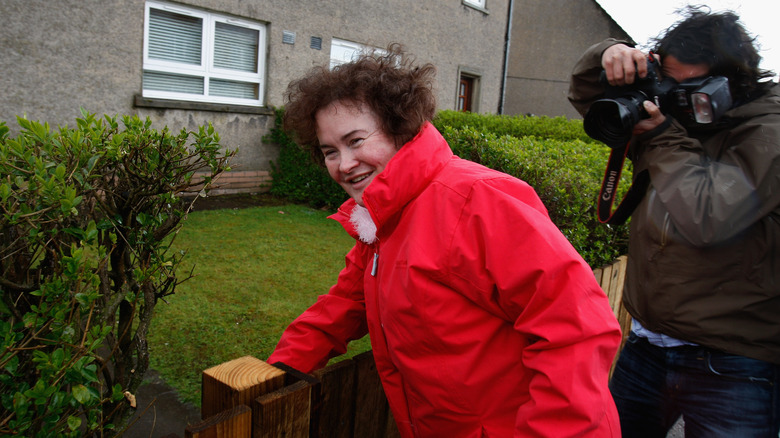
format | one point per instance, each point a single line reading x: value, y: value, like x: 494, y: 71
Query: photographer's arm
x: 711, y: 199
x: 585, y: 86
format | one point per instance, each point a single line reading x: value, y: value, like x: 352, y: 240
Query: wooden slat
x: 283, y: 413
x: 606, y: 278
x: 337, y: 410
x: 616, y: 282
x: 236, y: 383
x: 371, y: 408
x: 232, y: 423
x: 597, y: 273
x: 615, y: 294
x: 291, y: 376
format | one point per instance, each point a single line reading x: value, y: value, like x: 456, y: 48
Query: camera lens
x: 612, y: 120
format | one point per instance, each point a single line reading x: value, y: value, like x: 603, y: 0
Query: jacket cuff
x: 646, y: 136
x: 609, y: 42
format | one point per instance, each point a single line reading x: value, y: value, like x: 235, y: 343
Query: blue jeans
x: 717, y: 394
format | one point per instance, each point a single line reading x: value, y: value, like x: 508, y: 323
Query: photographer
x: 703, y: 280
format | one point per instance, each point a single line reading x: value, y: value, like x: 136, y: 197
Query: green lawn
x: 256, y: 269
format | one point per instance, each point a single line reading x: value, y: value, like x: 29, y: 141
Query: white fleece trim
x: 364, y: 225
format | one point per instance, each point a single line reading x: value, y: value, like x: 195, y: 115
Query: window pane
x: 242, y: 90
x: 341, y: 53
x: 175, y: 37
x: 235, y: 47
x: 173, y: 83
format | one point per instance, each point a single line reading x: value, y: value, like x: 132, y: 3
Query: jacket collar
x: 767, y: 102
x: 410, y: 170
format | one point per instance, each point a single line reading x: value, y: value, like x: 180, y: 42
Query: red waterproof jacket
x: 484, y: 320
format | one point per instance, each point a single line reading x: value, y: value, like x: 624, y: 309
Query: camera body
x: 694, y: 102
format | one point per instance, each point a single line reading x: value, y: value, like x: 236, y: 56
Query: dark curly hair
x: 397, y: 91
x: 718, y: 40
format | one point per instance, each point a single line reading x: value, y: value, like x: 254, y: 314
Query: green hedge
x: 559, y: 128
x: 553, y: 155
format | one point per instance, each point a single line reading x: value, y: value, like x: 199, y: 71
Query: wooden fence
x: 612, y: 279
x: 247, y: 397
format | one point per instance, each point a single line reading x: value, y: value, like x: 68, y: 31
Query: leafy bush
x: 85, y: 216
x: 554, y: 155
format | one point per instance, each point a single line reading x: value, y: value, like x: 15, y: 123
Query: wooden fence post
x: 237, y: 382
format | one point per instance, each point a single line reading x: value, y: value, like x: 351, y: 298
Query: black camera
x: 693, y: 102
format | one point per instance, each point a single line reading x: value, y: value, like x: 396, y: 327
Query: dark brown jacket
x: 704, y: 251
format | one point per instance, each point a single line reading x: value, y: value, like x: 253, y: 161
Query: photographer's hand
x: 656, y: 118
x: 623, y: 63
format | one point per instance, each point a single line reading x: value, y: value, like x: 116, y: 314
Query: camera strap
x: 609, y: 185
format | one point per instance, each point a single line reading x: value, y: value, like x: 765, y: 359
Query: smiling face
x: 354, y: 146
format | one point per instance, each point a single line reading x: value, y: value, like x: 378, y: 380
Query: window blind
x: 175, y: 37
x: 225, y: 88
x: 171, y: 82
x: 235, y: 47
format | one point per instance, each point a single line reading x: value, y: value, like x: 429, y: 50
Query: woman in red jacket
x: 484, y: 320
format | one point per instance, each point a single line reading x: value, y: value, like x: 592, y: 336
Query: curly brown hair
x: 720, y: 41
x: 397, y: 91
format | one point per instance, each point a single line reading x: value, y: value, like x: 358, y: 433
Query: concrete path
x: 160, y: 412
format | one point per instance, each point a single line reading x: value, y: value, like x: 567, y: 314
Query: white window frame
x: 206, y: 69
x: 479, y: 4
x: 350, y: 50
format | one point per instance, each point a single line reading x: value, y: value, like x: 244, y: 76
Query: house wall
x: 60, y: 56
x: 547, y: 39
